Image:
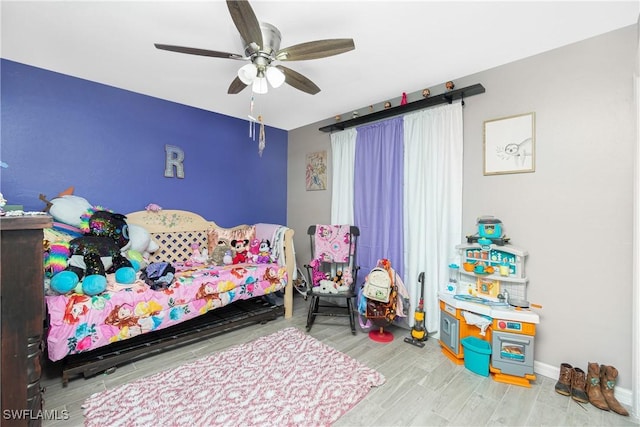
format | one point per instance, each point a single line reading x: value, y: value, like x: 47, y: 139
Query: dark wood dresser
x: 21, y: 314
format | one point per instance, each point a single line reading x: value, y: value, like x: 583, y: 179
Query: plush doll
x: 333, y: 286
x: 141, y: 242
x: 337, y: 279
x: 240, y: 247
x: 347, y: 279
x: 264, y: 255
x: 3, y: 202
x: 97, y: 252
x: 326, y: 286
x: 340, y: 281
x: 316, y: 274
x: 72, y: 213
x: 69, y: 209
x: 152, y: 207
x: 198, y: 256
x: 254, y: 250
x: 227, y: 259
x: 218, y: 253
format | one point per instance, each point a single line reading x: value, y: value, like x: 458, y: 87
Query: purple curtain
x: 378, y: 201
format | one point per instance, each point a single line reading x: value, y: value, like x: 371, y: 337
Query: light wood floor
x: 423, y: 388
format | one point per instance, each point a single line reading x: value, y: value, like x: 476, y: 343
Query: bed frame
x: 174, y: 231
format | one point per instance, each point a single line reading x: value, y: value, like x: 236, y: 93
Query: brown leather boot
x: 563, y: 386
x: 596, y: 398
x: 608, y: 376
x: 578, y: 386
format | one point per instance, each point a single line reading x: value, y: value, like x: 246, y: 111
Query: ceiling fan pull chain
x: 252, y: 121
x: 261, y: 139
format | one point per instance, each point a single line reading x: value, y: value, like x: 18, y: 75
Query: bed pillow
x: 242, y: 232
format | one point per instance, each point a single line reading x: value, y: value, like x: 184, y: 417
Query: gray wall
x: 305, y: 208
x: 573, y: 215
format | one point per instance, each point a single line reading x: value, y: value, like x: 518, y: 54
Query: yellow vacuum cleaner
x: 418, y: 331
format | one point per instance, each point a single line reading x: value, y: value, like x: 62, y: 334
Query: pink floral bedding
x: 80, y: 323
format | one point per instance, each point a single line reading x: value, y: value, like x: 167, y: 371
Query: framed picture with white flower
x: 509, y: 144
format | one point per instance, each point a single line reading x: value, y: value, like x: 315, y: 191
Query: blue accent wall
x: 59, y: 131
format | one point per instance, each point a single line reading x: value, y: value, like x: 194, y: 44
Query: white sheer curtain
x: 343, y: 154
x: 433, y: 143
x: 433, y: 148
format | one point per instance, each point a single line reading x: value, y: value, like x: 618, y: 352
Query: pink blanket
x: 80, y: 323
x: 332, y: 243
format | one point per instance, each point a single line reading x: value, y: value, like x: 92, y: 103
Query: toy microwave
x: 489, y: 227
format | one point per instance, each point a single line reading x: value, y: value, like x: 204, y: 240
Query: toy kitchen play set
x: 485, y: 319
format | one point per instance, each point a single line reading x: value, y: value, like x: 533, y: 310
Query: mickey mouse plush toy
x: 240, y: 247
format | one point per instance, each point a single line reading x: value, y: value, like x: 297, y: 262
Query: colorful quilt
x: 79, y: 323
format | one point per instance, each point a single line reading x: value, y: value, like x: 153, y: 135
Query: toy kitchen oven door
x: 512, y: 352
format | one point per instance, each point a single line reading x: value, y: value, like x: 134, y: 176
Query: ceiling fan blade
x: 201, y: 52
x: 316, y: 49
x: 298, y: 81
x: 246, y: 22
x: 236, y: 86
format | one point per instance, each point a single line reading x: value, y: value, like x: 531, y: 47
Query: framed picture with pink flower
x: 316, y: 171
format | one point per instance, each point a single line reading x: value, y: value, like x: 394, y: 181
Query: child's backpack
x: 378, y: 285
x: 379, y: 294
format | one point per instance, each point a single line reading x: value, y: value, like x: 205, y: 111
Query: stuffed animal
x: 240, y: 246
x: 218, y: 253
x: 97, y: 252
x: 3, y: 202
x: 198, y: 256
x: 322, y: 282
x: 316, y: 274
x: 141, y: 242
x: 264, y: 255
x: 69, y: 209
x: 254, y: 250
x: 340, y: 281
x: 228, y: 258
x: 347, y: 278
x: 331, y: 287
x: 337, y: 279
x: 152, y: 207
x: 326, y: 286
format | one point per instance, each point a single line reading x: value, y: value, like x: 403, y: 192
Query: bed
x: 91, y: 334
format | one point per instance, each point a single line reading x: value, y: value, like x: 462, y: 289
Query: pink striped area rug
x: 286, y: 378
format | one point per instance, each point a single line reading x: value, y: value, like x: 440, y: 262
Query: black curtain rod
x: 447, y: 97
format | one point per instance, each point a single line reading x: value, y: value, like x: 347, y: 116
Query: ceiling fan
x: 262, y: 48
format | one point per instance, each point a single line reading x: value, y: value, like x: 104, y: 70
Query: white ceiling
x: 400, y: 46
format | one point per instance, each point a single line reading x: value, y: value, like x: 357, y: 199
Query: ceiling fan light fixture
x: 248, y: 73
x: 275, y: 76
x: 261, y: 43
x: 260, y: 85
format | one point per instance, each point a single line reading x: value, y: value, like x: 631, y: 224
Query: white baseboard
x: 622, y: 394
